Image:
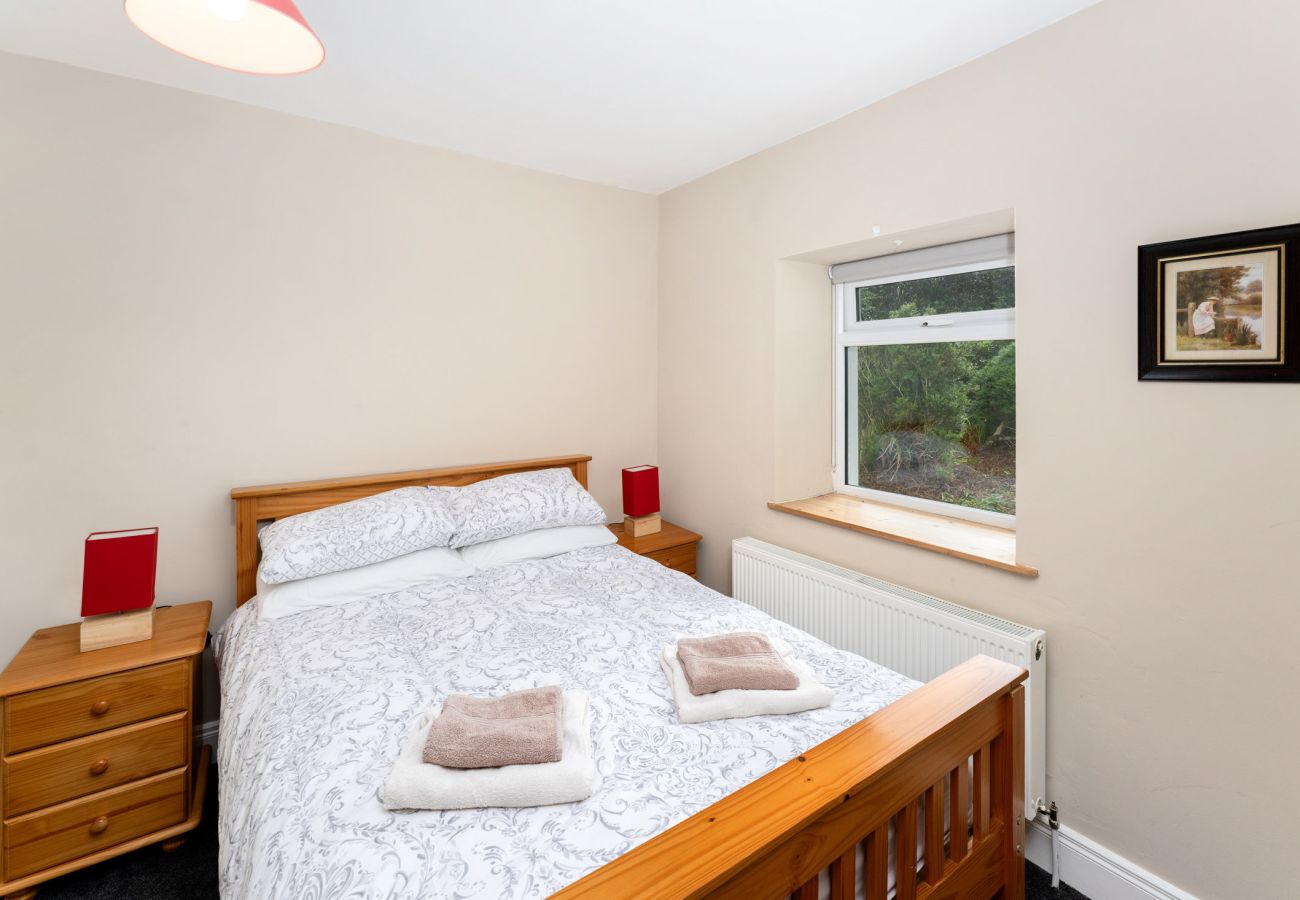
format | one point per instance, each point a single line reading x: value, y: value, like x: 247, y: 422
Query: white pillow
x: 515, y: 504
x: 354, y: 534
x: 538, y: 544
x: 337, y: 588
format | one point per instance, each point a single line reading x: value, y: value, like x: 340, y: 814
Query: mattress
x: 315, y: 707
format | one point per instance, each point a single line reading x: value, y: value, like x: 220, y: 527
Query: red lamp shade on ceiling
x: 260, y: 37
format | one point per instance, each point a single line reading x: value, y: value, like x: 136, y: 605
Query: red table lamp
x: 641, y: 501
x: 117, y: 587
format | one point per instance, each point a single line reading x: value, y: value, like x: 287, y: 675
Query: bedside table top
x: 53, y: 655
x: 669, y: 536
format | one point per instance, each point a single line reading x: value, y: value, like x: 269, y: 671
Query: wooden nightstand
x: 673, y: 546
x: 98, y: 748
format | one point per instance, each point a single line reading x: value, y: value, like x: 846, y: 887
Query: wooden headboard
x: 268, y: 502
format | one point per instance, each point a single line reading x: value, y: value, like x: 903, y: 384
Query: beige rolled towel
x: 522, y: 728
x: 742, y: 660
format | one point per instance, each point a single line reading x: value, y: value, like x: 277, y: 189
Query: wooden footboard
x: 944, y: 766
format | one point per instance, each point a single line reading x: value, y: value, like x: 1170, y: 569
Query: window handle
x: 936, y: 323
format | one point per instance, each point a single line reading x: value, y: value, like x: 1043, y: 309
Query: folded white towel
x: 415, y: 784
x: 737, y: 704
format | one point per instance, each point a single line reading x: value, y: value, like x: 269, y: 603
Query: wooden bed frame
x: 945, y: 763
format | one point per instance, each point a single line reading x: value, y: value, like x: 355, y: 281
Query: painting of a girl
x: 1203, y: 317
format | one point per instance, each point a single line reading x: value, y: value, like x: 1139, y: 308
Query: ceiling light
x: 230, y: 10
x: 260, y: 37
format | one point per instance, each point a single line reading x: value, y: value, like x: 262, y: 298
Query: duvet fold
x: 739, y: 704
x: 415, y: 784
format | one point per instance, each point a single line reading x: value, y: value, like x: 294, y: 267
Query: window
x: 925, y: 357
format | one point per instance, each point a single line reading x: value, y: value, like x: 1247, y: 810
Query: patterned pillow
x: 515, y: 504
x: 356, y: 533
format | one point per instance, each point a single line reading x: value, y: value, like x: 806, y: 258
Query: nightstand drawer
x: 55, y: 714
x: 54, y: 774
x: 50, y: 837
x: 680, y: 558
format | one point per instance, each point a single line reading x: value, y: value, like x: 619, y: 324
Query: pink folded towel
x: 743, y: 660
x: 516, y: 729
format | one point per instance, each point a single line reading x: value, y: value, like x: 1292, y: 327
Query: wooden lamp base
x: 111, y: 629
x: 640, y: 526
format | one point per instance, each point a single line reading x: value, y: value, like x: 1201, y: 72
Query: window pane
x: 964, y: 292
x: 934, y: 420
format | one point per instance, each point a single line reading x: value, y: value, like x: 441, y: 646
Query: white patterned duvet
x: 315, y: 707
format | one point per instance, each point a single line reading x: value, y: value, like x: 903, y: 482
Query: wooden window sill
x: 987, y: 545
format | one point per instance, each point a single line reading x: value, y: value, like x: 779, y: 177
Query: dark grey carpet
x: 1038, y: 886
x: 191, y: 872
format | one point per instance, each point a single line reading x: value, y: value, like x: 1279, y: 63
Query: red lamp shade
x: 260, y: 37
x: 640, y: 491
x: 119, y: 571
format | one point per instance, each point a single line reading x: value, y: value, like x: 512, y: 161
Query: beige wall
x: 197, y: 295
x: 1165, y: 517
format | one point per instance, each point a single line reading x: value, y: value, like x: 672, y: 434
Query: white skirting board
x: 1095, y: 871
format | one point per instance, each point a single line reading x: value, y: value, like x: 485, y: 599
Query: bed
x: 315, y: 707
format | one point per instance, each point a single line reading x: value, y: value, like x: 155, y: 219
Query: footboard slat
x: 934, y: 851
x: 959, y: 811
x: 876, y: 853
x: 844, y: 876
x: 905, y: 853
x: 981, y: 788
x: 772, y: 838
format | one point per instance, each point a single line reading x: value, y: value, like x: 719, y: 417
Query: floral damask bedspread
x: 316, y: 705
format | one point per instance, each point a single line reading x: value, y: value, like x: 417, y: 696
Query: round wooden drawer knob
x: 99, y: 825
x: 99, y: 707
x: 99, y: 767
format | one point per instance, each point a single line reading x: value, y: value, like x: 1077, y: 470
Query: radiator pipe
x: 1054, y: 822
x: 1049, y: 812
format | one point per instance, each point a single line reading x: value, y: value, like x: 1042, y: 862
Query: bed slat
x: 934, y: 858
x: 844, y: 876
x: 959, y: 811
x: 876, y: 854
x: 905, y: 853
x: 981, y: 788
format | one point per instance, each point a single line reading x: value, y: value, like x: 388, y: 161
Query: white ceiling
x: 645, y: 95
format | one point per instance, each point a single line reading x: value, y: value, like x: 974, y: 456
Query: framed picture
x: 1220, y: 308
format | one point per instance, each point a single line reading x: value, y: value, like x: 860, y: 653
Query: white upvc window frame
x: 985, y: 325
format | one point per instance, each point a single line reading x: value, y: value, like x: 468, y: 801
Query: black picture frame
x: 1161, y: 354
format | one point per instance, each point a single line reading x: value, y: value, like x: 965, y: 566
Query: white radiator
x: 910, y: 632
